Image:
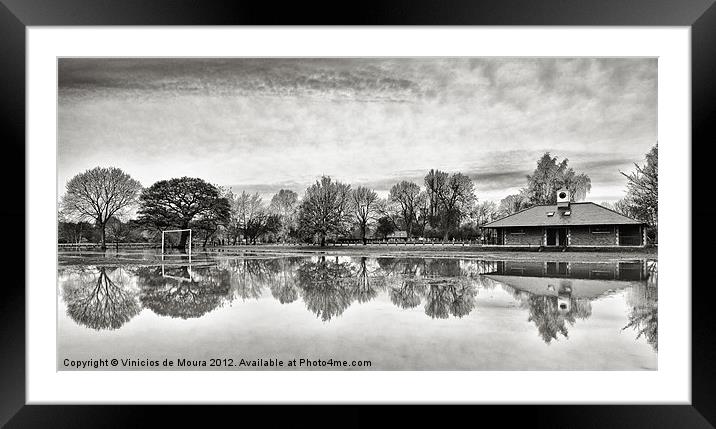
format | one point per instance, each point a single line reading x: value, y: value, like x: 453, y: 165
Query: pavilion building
x: 567, y: 224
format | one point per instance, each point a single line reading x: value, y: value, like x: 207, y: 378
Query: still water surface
x: 398, y: 313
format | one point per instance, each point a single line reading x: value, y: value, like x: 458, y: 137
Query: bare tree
x: 253, y: 218
x: 451, y: 198
x: 485, y: 212
x: 284, y: 204
x: 550, y: 175
x: 643, y: 189
x: 620, y: 206
x: 248, y: 208
x: 457, y: 197
x: 117, y: 231
x: 406, y: 195
x: 423, y: 211
x: 325, y: 209
x: 365, y: 208
x: 435, y: 180
x: 98, y: 194
x: 512, y: 204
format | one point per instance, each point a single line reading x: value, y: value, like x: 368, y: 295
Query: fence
x: 397, y: 243
x: 85, y: 246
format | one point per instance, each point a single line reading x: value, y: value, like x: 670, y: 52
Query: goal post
x: 176, y: 230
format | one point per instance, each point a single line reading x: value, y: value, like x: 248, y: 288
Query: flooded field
x: 373, y: 312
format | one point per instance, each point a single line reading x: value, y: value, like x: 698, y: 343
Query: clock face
x: 562, y: 195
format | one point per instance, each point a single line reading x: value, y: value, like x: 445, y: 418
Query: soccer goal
x: 174, y: 231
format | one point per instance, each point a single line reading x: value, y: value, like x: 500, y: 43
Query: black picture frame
x: 16, y: 15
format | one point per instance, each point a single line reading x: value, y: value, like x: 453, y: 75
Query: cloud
x: 260, y: 123
x: 312, y: 78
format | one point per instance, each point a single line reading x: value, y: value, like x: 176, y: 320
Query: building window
x: 517, y: 231
x: 630, y: 235
x: 601, y: 229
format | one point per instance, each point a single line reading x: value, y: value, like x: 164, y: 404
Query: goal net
x: 172, y: 238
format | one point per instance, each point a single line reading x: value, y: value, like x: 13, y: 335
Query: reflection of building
x: 580, y: 280
x: 563, y: 298
x: 568, y: 224
x: 557, y: 294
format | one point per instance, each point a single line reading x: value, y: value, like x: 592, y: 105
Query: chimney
x: 562, y: 198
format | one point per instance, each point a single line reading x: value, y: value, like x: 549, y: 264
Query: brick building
x: 568, y: 224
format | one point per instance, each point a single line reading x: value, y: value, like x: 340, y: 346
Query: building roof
x: 581, y: 288
x: 584, y: 213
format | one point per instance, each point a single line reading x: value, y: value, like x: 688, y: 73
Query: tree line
x: 107, y: 205
x: 106, y: 198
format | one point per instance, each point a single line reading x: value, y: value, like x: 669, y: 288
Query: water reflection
x: 323, y: 288
x: 644, y: 314
x: 367, y: 283
x: 182, y: 292
x: 407, y: 293
x: 248, y: 277
x: 447, y: 297
x: 283, y: 283
x: 100, y: 298
x: 555, y: 296
x: 551, y: 315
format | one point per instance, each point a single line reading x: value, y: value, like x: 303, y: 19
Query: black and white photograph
x: 357, y: 214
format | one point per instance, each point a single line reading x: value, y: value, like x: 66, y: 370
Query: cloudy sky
x: 266, y: 124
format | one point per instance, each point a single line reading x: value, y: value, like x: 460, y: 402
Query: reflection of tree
x: 363, y: 291
x: 438, y: 300
x: 454, y: 296
x: 101, y: 301
x: 463, y: 299
x: 545, y: 312
x: 546, y: 316
x: 550, y: 320
x: 445, y: 286
x: 284, y: 292
x: 442, y: 267
x: 249, y: 276
x: 644, y: 314
x: 407, y: 294
x: 283, y: 280
x: 400, y: 266
x: 406, y: 287
x: 323, y: 289
x: 179, y: 294
x: 581, y: 308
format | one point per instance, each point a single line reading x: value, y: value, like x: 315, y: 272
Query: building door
x: 556, y: 236
x: 562, y: 237
x: 551, y: 236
